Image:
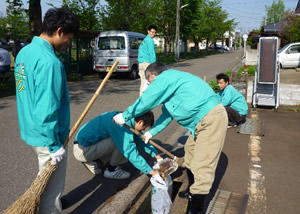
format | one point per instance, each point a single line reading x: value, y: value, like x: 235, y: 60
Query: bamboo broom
x: 29, y: 202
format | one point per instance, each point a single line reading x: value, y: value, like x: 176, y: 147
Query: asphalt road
x: 83, y: 191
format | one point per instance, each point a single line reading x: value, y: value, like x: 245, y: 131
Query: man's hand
x: 58, y: 155
x: 148, y: 136
x: 118, y: 119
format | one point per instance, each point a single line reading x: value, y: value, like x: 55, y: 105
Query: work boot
x: 185, y: 193
x: 196, y: 203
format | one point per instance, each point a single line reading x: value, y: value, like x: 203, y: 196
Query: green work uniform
x: 147, y: 51
x: 234, y: 99
x: 42, y: 96
x: 185, y: 98
x: 102, y: 127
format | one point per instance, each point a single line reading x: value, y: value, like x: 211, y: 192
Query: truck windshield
x: 282, y: 49
x: 111, y: 43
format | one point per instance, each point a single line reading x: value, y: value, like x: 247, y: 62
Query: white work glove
x: 118, y: 119
x: 148, y: 136
x: 156, y: 166
x: 58, y: 155
x: 157, y: 181
x: 145, y: 86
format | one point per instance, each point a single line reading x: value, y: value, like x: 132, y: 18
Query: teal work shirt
x: 234, y: 99
x: 185, y: 98
x: 102, y: 127
x: 147, y: 51
x: 42, y: 96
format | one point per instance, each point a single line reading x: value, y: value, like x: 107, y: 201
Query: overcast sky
x: 248, y: 13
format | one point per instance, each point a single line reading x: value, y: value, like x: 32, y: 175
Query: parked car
x: 117, y: 45
x: 289, y: 56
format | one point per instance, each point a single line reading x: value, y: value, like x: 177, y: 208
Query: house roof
x: 297, y: 10
x: 273, y: 28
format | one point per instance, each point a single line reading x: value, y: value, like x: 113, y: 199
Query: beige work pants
x: 142, y: 68
x: 202, y: 153
x: 50, y: 199
x: 105, y: 150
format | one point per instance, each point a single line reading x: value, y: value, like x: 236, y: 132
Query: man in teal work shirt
x: 233, y: 101
x: 146, y: 55
x: 101, y: 139
x: 43, y: 101
x: 194, y: 105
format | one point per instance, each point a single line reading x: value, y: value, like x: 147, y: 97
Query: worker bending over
x: 194, y: 105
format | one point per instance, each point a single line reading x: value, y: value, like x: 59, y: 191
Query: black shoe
x: 185, y: 193
x: 196, y: 203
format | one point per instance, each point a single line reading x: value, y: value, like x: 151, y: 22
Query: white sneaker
x: 93, y: 167
x: 118, y: 173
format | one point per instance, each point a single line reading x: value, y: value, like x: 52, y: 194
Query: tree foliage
x: 275, y: 12
x: 290, y: 30
x: 129, y: 15
x: 200, y: 19
x: 16, y: 22
x: 87, y: 12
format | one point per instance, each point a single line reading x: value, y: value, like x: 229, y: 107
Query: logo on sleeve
x: 20, y: 77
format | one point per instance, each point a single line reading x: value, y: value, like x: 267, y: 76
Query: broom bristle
x: 29, y: 202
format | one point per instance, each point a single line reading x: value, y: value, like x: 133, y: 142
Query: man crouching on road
x: 102, y: 139
x: 194, y: 105
x: 233, y: 101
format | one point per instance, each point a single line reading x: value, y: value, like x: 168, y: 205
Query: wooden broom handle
x: 91, y: 102
x: 151, y: 141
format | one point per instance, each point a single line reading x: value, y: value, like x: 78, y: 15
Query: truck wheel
x: 134, y: 73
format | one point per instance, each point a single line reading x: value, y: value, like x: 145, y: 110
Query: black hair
x: 155, y: 68
x: 152, y: 27
x: 222, y: 76
x: 60, y: 17
x: 148, y: 119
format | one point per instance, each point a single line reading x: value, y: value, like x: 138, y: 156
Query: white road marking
x: 257, y: 202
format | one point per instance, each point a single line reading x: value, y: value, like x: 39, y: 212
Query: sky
x: 248, y: 13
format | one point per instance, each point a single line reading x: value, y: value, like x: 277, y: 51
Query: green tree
x: 130, y: 15
x: 166, y: 22
x: 16, y: 21
x: 275, y: 12
x: 215, y: 22
x: 191, y: 21
x: 87, y: 12
x: 290, y: 30
x: 3, y: 31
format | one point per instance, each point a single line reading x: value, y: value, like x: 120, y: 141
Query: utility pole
x: 240, y: 46
x: 177, y: 51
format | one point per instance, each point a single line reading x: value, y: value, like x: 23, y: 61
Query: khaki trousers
x: 202, y: 153
x: 50, y: 199
x: 142, y: 68
x: 105, y: 150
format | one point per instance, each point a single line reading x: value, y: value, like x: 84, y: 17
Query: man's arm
x: 151, y: 51
x: 226, y: 96
x: 48, y: 93
x: 124, y: 141
x: 162, y: 122
x: 157, y: 93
